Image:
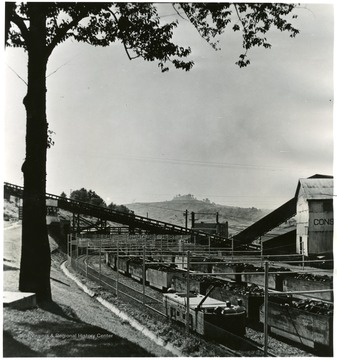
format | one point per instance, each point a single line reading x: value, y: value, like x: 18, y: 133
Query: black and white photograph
x: 168, y: 179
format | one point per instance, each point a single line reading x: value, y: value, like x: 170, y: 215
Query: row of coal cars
x: 238, y: 289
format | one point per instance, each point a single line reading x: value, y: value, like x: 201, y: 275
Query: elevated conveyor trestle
x: 267, y: 223
x: 105, y: 214
x: 80, y: 223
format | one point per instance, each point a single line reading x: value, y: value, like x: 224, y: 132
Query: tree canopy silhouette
x: 39, y: 27
x: 86, y: 196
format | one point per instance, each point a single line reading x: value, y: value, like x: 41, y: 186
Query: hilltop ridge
x: 173, y: 211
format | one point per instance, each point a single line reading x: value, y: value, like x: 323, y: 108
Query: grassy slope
x: 174, y: 212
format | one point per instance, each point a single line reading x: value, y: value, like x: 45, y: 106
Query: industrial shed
x: 212, y: 228
x: 314, y: 216
x: 303, y: 225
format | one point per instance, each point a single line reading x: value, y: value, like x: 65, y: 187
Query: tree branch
x: 125, y: 47
x: 17, y: 75
x: 239, y: 17
x: 128, y: 54
x: 176, y: 10
x: 18, y: 21
x: 61, y: 33
x: 243, y: 26
x: 195, y: 24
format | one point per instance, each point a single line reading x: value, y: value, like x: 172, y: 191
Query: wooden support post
x: 302, y: 247
x: 71, y: 246
x: 86, y: 260
x: 161, y: 248
x: 266, y: 268
x: 144, y: 275
x: 100, y: 259
x: 117, y: 265
x: 77, y: 242
x: 188, y: 294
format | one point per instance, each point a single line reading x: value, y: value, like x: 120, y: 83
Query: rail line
x: 87, y: 265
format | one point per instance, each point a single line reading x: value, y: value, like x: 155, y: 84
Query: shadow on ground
x: 64, y: 311
x: 10, y: 268
x: 57, y: 331
x: 13, y: 348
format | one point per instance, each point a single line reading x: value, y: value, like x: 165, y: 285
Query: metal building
x: 212, y: 228
x: 314, y: 216
x: 312, y: 232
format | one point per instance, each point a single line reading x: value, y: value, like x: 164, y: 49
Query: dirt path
x: 73, y: 325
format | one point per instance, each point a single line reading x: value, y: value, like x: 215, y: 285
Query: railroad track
x: 131, y: 290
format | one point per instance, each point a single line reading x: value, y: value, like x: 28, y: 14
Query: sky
x: 239, y: 137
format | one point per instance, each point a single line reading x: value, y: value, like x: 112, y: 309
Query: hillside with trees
x: 174, y: 211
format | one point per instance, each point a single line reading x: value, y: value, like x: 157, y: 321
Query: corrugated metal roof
x: 315, y: 188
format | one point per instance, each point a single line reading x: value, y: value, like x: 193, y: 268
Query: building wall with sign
x: 320, y: 229
x: 315, y: 218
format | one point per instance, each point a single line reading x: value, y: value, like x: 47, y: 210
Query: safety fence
x: 182, y: 243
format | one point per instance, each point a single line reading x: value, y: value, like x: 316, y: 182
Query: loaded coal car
x: 123, y: 262
x: 160, y: 276
x: 306, y: 321
x: 208, y: 317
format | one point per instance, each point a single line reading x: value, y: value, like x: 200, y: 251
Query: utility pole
x: 186, y: 218
x: 192, y: 219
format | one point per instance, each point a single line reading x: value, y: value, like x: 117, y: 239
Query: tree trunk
x: 35, y: 253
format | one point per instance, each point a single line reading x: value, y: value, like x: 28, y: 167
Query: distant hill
x: 173, y: 211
